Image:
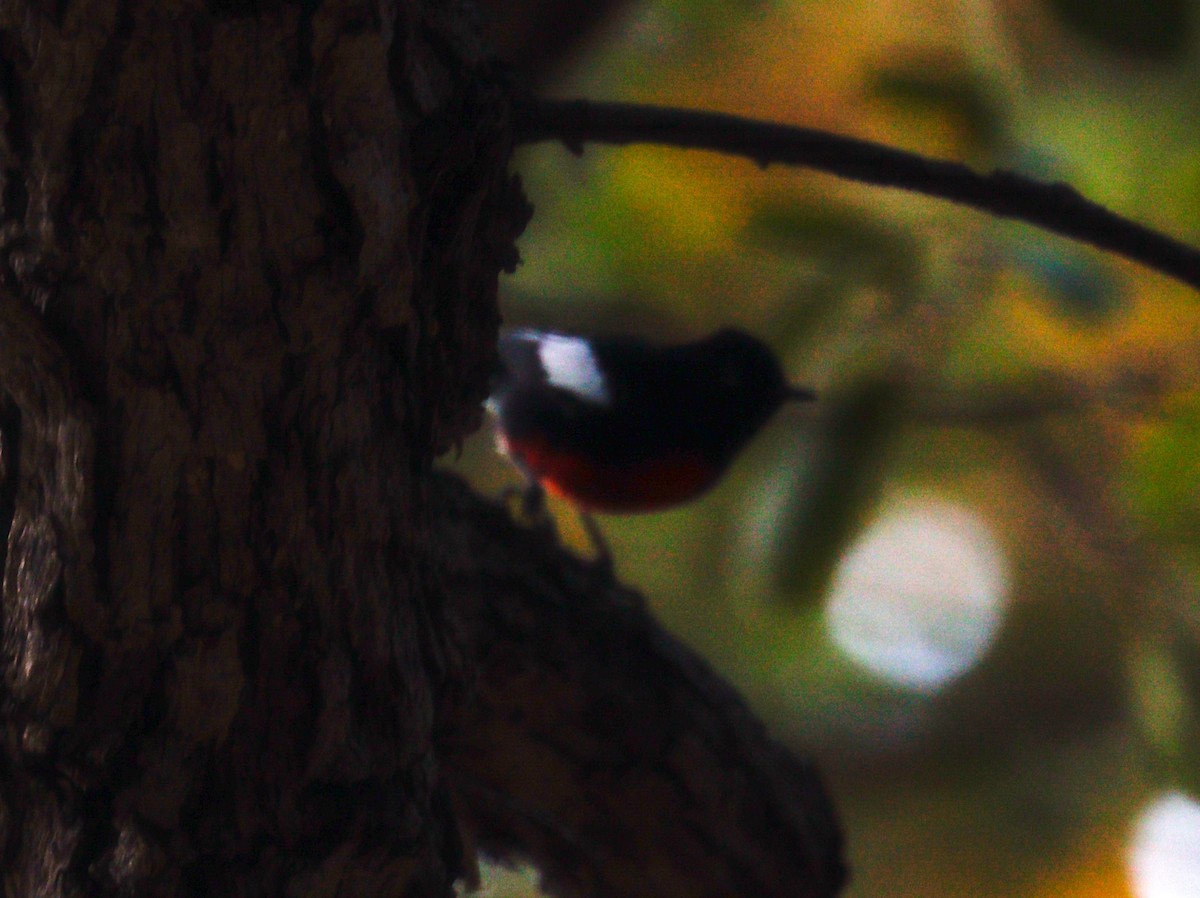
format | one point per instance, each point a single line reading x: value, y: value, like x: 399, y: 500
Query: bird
x: 620, y: 425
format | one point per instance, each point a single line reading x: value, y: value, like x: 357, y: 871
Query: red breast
x: 646, y: 485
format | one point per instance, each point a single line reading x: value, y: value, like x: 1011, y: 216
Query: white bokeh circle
x: 919, y: 597
x: 1164, y: 850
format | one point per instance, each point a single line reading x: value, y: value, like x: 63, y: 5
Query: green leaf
x: 1155, y: 30
x: 946, y: 89
x: 1161, y: 482
x: 847, y: 241
x: 1164, y: 679
x: 1079, y: 284
x: 836, y: 486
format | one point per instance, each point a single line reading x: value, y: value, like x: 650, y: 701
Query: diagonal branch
x: 1055, y: 207
x: 603, y: 750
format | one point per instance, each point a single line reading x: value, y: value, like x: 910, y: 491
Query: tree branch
x: 1054, y: 207
x: 599, y: 747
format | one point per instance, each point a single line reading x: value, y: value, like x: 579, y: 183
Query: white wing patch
x: 570, y: 365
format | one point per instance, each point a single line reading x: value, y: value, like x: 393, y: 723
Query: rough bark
x: 248, y: 262
x: 249, y: 255
x: 602, y: 749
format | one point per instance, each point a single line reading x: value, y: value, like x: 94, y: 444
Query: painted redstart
x: 620, y: 425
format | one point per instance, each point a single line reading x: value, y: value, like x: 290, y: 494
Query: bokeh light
x: 1164, y: 853
x: 919, y: 598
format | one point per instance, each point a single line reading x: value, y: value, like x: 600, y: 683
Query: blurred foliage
x: 950, y: 94
x: 1050, y: 388
x: 1149, y: 29
x: 833, y: 493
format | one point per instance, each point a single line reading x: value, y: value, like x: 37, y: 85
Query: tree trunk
x: 264, y: 241
x: 248, y: 264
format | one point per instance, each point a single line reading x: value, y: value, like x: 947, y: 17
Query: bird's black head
x: 745, y: 385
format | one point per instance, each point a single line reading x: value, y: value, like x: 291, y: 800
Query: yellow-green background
x: 1024, y: 776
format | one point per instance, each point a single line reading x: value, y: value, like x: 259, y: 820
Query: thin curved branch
x: 1054, y: 207
x: 599, y: 747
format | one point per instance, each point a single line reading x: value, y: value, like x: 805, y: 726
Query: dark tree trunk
x: 264, y: 241
x: 248, y: 263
